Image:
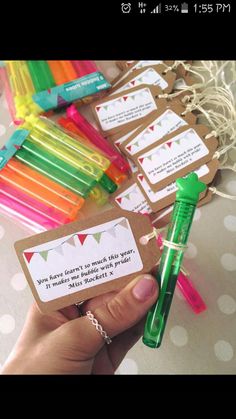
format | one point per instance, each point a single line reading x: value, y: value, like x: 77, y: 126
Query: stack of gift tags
x: 158, y: 135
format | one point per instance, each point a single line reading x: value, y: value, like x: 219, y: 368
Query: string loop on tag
x: 163, y: 96
x: 167, y: 69
x: 211, y: 134
x: 154, y: 234
x: 145, y: 239
x: 172, y: 67
x: 222, y: 194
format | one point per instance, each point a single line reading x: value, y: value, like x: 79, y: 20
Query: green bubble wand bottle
x: 187, y: 197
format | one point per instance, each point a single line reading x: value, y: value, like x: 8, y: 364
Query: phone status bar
x: 176, y: 8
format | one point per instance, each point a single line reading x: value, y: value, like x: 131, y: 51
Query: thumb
x: 116, y: 315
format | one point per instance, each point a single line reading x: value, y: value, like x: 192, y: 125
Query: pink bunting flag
x: 28, y: 256
x: 98, y: 108
x: 141, y: 177
x: 141, y: 160
x: 82, y: 238
x: 129, y: 147
x: 119, y: 200
x: 169, y: 144
x: 125, y: 98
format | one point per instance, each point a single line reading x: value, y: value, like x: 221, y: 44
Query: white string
x: 145, y: 239
x: 222, y: 194
x: 212, y: 97
x: 154, y: 234
x: 216, y: 104
x: 174, y: 246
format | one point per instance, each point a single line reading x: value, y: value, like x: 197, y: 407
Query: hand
x: 64, y: 343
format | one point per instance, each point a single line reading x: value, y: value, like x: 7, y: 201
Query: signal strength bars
x: 157, y: 9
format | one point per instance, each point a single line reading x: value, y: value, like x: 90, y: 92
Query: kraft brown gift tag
x: 129, y: 197
x: 166, y: 196
x: 122, y: 64
x: 177, y: 154
x: 152, y: 75
x: 184, y: 81
x: 126, y: 110
x: 117, y: 139
x: 182, y: 84
x: 128, y: 66
x: 86, y: 258
x: 181, y: 71
x: 163, y: 122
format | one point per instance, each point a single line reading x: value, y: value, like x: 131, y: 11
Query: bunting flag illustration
x: 140, y: 79
x: 112, y: 232
x: 44, y: 254
x: 124, y: 223
x: 59, y: 250
x: 166, y: 146
x: 29, y: 256
x: 71, y: 241
x: 97, y: 237
x: 8, y: 150
x: 61, y: 101
x: 81, y: 237
x: 133, y: 96
x: 127, y: 196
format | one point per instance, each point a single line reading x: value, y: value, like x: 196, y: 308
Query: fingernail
x: 144, y: 288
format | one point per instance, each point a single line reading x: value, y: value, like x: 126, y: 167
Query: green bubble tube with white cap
x: 187, y: 196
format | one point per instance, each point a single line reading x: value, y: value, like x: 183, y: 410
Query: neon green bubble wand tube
x: 187, y: 197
